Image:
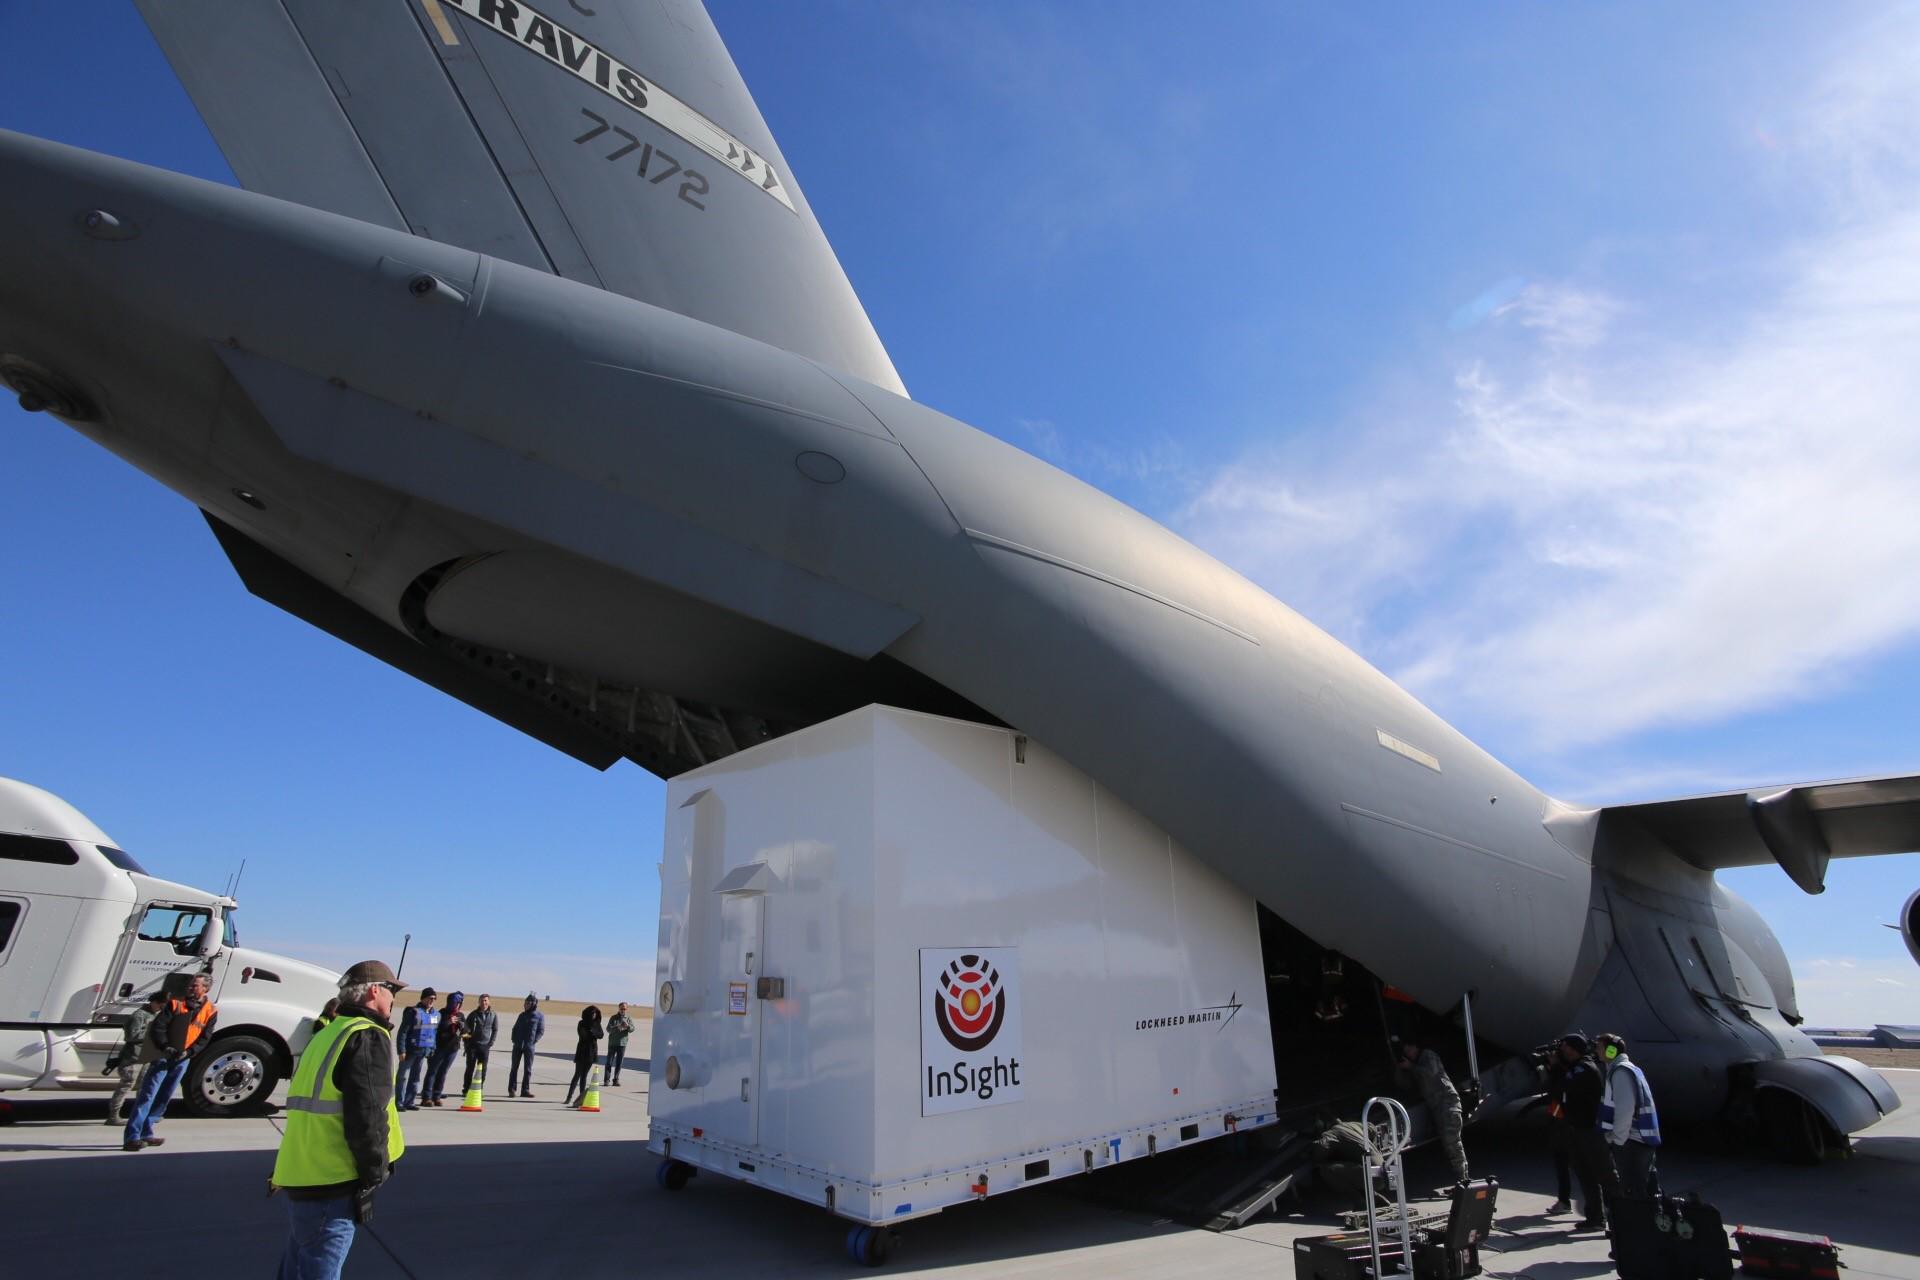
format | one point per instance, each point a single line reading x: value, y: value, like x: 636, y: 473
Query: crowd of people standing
x: 428, y: 1040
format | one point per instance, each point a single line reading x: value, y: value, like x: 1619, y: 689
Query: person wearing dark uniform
x: 342, y: 1135
x: 134, y: 1055
x: 1559, y: 1133
x: 1437, y: 1090
x: 1340, y: 1160
x: 1587, y: 1146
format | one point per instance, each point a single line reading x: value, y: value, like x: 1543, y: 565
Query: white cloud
x: 1565, y: 317
x: 1602, y: 526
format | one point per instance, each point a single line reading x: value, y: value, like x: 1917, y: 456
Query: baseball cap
x: 371, y: 971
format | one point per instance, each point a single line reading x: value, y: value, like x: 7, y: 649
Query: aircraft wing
x: 1800, y: 827
x: 537, y: 135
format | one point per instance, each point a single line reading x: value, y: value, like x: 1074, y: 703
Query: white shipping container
x: 908, y: 961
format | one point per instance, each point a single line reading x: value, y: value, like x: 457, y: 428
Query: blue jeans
x: 319, y: 1233
x: 409, y: 1085
x: 437, y: 1068
x: 520, y: 1069
x: 616, y: 1058
x: 156, y: 1090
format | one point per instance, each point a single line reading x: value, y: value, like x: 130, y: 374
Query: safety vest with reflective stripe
x: 314, y: 1152
x: 1646, y: 1120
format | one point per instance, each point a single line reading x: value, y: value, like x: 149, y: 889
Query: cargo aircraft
x: 521, y: 363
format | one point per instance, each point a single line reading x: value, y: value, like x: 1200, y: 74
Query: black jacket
x: 587, y: 1048
x: 364, y: 1075
x: 1584, y: 1088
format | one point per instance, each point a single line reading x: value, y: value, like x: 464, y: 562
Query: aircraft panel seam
x: 1358, y: 812
x: 1061, y: 562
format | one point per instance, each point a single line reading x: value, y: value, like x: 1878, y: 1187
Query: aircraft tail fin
x: 538, y: 134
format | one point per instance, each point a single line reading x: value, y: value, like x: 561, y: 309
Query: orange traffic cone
x: 590, y: 1100
x: 473, y: 1100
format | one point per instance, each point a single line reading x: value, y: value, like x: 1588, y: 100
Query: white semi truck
x: 86, y: 935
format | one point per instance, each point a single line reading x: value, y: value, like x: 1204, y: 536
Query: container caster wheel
x: 869, y: 1246
x: 673, y: 1175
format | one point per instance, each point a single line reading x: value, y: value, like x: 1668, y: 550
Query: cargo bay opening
x: 1333, y: 1025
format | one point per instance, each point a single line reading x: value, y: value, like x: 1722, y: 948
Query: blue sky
x: 1558, y: 358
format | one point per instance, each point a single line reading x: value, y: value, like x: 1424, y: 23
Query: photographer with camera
x: 1559, y: 1132
x: 1586, y: 1144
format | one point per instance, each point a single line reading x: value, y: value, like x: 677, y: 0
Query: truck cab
x: 86, y: 934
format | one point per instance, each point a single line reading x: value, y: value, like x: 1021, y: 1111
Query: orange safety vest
x: 194, y: 1028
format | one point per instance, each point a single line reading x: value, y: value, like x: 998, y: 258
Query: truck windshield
x: 180, y: 927
x: 120, y: 859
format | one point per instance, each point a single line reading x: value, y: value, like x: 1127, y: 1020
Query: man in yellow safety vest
x: 343, y: 1133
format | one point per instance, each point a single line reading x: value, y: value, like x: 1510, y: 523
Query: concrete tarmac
x: 529, y: 1189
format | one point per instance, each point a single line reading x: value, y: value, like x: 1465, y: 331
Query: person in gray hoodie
x: 483, y: 1024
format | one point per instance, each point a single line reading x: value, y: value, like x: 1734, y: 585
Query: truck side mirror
x: 208, y: 943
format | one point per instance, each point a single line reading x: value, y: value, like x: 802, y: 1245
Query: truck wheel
x: 673, y: 1174
x: 869, y: 1246
x: 234, y: 1074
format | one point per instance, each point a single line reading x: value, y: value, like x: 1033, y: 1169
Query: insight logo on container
x: 969, y: 1028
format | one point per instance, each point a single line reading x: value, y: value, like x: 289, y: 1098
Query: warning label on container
x: 736, y: 997
x: 969, y: 1028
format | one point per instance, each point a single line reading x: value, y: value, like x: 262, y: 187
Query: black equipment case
x: 1668, y: 1238
x: 1345, y: 1255
x: 1453, y: 1252
x: 1787, y: 1254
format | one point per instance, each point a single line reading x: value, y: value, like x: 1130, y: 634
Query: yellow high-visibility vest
x: 314, y: 1152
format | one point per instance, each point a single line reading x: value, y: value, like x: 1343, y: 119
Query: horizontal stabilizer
x: 1800, y: 827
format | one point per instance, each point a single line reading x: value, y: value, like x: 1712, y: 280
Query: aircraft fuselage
x: 369, y: 405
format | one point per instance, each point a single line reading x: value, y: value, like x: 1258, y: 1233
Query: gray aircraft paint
x: 594, y: 472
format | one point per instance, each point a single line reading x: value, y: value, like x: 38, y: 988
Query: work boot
x: 156, y: 1142
x: 135, y: 1145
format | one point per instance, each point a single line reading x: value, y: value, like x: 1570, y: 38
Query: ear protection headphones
x: 1612, y: 1051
